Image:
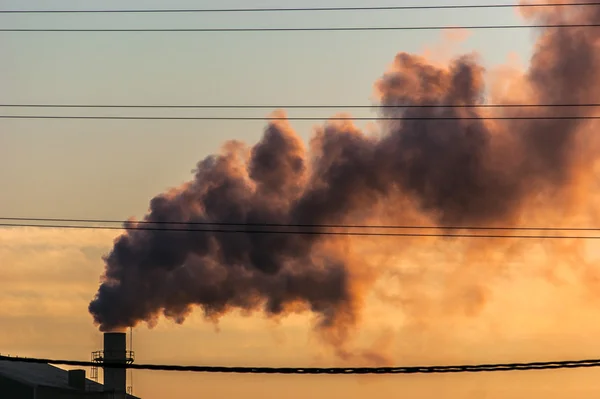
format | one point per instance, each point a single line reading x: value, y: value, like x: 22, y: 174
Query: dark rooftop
x: 35, y: 374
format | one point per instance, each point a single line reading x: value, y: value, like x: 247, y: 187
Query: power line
x: 296, y: 106
x: 565, y: 364
x: 299, y: 29
x: 296, y: 9
x: 322, y: 226
x: 303, y: 232
x: 297, y: 118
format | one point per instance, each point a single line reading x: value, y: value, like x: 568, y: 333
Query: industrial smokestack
x: 115, y: 351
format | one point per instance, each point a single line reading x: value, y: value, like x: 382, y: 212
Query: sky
x: 111, y: 169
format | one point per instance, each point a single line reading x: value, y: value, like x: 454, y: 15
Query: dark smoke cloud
x: 461, y: 171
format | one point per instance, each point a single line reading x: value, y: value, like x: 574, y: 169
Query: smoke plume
x: 467, y: 171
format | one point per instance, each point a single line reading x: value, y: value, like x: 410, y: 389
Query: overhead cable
x: 567, y: 364
x: 294, y: 106
x: 303, y: 232
x: 300, y: 29
x: 297, y: 9
x: 299, y: 118
x: 323, y: 226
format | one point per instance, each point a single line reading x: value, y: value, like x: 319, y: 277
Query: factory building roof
x: 35, y: 374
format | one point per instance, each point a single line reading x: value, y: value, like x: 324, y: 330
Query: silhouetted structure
x: 43, y: 381
x: 115, y: 352
x: 20, y: 380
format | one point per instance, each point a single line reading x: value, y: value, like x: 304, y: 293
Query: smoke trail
x: 465, y: 172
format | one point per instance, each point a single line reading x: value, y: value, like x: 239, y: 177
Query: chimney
x: 77, y: 379
x: 115, y: 351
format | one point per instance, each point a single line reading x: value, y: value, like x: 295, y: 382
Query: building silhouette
x: 21, y: 380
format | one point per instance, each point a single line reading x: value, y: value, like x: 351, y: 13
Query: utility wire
x: 303, y: 232
x: 300, y: 29
x: 322, y: 226
x: 565, y: 364
x: 298, y: 118
x: 298, y: 9
x: 296, y: 106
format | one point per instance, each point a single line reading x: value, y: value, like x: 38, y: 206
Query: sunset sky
x: 536, y: 308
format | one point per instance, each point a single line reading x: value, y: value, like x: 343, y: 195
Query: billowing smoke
x: 464, y: 170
